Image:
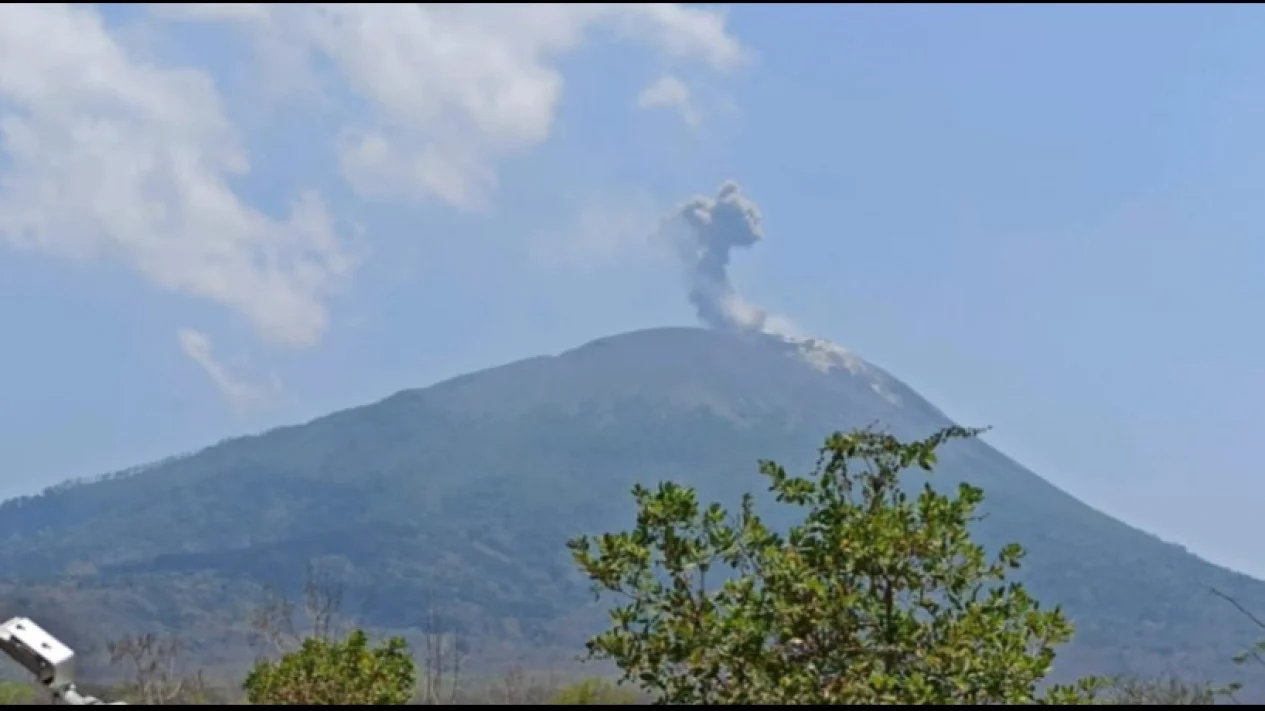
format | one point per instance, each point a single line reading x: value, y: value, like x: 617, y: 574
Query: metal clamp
x: 51, y: 662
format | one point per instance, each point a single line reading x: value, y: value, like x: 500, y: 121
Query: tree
x: 156, y: 676
x: 274, y: 621
x: 443, y: 650
x: 1166, y: 690
x: 325, y: 671
x: 316, y: 666
x: 876, y: 597
x: 1253, y: 655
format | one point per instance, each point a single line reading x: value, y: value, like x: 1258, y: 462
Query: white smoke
x: 705, y: 231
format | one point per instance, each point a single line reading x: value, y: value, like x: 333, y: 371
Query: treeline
x: 310, y: 654
x: 878, y: 595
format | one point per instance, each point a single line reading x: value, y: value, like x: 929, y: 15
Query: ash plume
x: 704, y: 231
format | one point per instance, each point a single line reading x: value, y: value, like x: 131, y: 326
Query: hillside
x: 459, y: 498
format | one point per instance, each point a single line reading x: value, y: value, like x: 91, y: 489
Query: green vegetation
x: 456, y: 503
x: 13, y: 693
x: 594, y: 692
x: 347, y: 672
x: 874, y: 598
x: 873, y: 595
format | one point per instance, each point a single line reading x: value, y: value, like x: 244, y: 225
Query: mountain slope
x: 459, y: 498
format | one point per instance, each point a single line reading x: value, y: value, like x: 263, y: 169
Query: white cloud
x: 240, y: 394
x: 455, y: 87
x: 108, y: 155
x: 671, y: 93
x: 112, y: 158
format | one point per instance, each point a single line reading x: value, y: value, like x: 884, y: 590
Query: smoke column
x: 704, y: 231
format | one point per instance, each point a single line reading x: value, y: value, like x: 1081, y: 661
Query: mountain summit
x: 458, y: 498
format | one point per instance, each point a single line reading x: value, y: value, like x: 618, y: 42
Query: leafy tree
x: 876, y: 597
x: 325, y: 671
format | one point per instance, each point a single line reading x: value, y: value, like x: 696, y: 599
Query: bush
x: 328, y: 672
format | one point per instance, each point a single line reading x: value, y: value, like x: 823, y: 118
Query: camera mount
x: 44, y: 656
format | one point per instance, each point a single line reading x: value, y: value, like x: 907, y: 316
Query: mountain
x: 458, y: 498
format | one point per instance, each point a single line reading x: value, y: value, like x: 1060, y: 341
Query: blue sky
x: 1044, y: 218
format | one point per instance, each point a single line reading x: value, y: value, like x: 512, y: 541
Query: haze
x: 215, y: 219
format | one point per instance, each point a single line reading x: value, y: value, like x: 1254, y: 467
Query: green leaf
x: 874, y: 597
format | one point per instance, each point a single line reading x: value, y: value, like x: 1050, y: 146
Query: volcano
x: 459, y: 497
